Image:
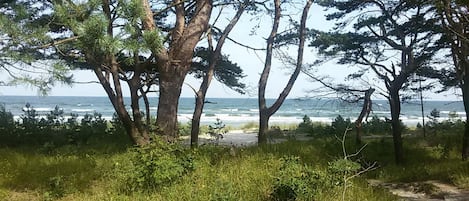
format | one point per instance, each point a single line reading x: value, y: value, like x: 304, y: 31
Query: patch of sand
x: 424, y: 191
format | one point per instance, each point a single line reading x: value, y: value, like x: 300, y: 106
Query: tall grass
x: 100, y: 169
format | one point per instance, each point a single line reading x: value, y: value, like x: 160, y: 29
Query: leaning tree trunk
x: 465, y: 95
x: 200, y: 95
x: 366, y: 109
x: 395, y: 105
x: 115, y: 96
x: 195, y: 127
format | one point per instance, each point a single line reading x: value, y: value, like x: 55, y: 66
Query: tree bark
x: 166, y: 120
x: 195, y: 127
x: 263, y: 128
x: 465, y: 140
x: 395, y: 106
x: 366, y: 109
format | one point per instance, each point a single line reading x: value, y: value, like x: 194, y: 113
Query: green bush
x: 297, y: 181
x: 376, y: 126
x: 314, y: 128
x: 156, y: 165
x: 339, y: 125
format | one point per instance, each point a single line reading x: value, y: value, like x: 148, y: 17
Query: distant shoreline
x: 208, y: 98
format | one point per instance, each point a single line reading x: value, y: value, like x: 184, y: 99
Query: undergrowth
x: 106, y: 169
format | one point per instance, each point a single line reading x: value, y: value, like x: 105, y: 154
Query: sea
x: 237, y: 111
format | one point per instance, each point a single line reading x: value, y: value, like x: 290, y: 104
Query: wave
x: 39, y: 109
x: 83, y: 110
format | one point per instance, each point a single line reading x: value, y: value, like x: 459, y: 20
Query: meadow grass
x: 99, y: 171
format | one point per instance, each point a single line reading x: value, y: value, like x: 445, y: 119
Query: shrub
x: 296, y: 181
x: 339, y: 125
x: 156, y: 165
x: 306, y: 126
x: 376, y: 126
x: 314, y: 128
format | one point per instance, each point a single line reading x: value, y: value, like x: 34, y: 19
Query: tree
x: 107, y: 38
x: 349, y: 94
x: 120, y: 42
x: 213, y: 56
x: 174, y: 62
x: 266, y: 112
x: 454, y: 18
x: 392, y: 40
x: 21, y: 26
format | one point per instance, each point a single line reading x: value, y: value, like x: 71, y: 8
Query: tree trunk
x: 395, y: 104
x: 366, y: 109
x: 166, y: 118
x: 263, y: 127
x: 358, y: 136
x: 195, y: 129
x: 465, y: 140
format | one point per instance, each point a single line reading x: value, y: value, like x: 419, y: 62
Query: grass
x: 99, y: 170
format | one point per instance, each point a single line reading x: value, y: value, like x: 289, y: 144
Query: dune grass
x: 106, y: 169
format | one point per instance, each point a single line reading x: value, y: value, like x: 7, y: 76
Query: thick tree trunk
x: 465, y: 143
x: 166, y: 118
x: 395, y: 104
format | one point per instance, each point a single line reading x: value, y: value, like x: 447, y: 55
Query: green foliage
x: 306, y: 125
x: 22, y: 26
x: 226, y: 72
x: 377, y: 126
x: 156, y: 165
x: 344, y: 167
x: 340, y: 125
x: 314, y: 128
x: 54, y: 130
x: 296, y: 181
x: 6, y: 120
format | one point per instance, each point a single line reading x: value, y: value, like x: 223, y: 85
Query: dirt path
x: 424, y: 191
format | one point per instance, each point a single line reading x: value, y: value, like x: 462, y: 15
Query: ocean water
x: 235, y: 111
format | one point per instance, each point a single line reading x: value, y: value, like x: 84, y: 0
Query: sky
x: 250, y: 61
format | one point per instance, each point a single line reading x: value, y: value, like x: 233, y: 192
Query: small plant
x: 56, y: 188
x: 217, y: 130
x: 377, y: 126
x: 306, y: 126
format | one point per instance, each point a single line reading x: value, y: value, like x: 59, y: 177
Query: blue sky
x: 251, y: 62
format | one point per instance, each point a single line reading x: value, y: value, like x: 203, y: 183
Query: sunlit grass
x: 221, y: 173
